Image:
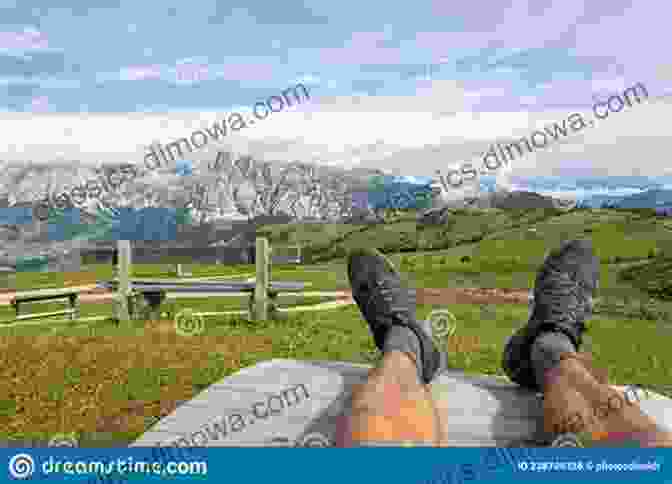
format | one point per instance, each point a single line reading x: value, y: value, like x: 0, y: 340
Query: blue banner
x: 338, y: 466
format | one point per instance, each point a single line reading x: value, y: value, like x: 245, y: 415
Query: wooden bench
x: 69, y: 294
x: 154, y: 292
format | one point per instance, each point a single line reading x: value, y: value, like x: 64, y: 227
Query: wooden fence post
x: 180, y: 272
x: 261, y: 287
x: 124, y: 281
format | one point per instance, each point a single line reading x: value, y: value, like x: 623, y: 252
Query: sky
x: 408, y: 87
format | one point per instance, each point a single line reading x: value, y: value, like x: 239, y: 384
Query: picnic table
x: 69, y: 294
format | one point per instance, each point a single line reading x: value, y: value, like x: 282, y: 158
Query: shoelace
x: 563, y: 297
x: 382, y: 298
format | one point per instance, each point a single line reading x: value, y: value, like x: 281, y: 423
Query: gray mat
x: 299, y: 401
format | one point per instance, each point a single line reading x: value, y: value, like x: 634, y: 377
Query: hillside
x: 503, y: 248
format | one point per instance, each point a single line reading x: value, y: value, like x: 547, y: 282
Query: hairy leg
x: 577, y: 401
x: 392, y: 407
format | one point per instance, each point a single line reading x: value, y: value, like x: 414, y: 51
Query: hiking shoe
x: 384, y: 302
x: 563, y: 294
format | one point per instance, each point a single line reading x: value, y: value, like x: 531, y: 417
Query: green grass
x: 653, y: 276
x: 633, y: 351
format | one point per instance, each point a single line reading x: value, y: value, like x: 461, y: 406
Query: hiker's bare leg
x: 392, y: 407
x: 577, y: 397
x: 576, y: 401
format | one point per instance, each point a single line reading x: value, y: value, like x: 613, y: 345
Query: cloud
x: 29, y: 39
x: 441, y: 123
x: 192, y: 71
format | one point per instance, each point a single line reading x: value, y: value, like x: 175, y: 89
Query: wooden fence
x: 124, y: 256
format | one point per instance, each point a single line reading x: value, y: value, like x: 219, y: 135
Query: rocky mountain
x: 503, y: 200
x: 648, y: 199
x: 240, y: 189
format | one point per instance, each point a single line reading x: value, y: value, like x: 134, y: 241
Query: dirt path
x: 468, y: 295
x: 432, y: 296
x: 103, y: 295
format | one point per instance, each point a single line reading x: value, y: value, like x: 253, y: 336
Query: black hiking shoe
x: 563, y: 294
x: 383, y: 302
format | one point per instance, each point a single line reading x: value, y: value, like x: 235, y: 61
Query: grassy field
x: 109, y: 383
